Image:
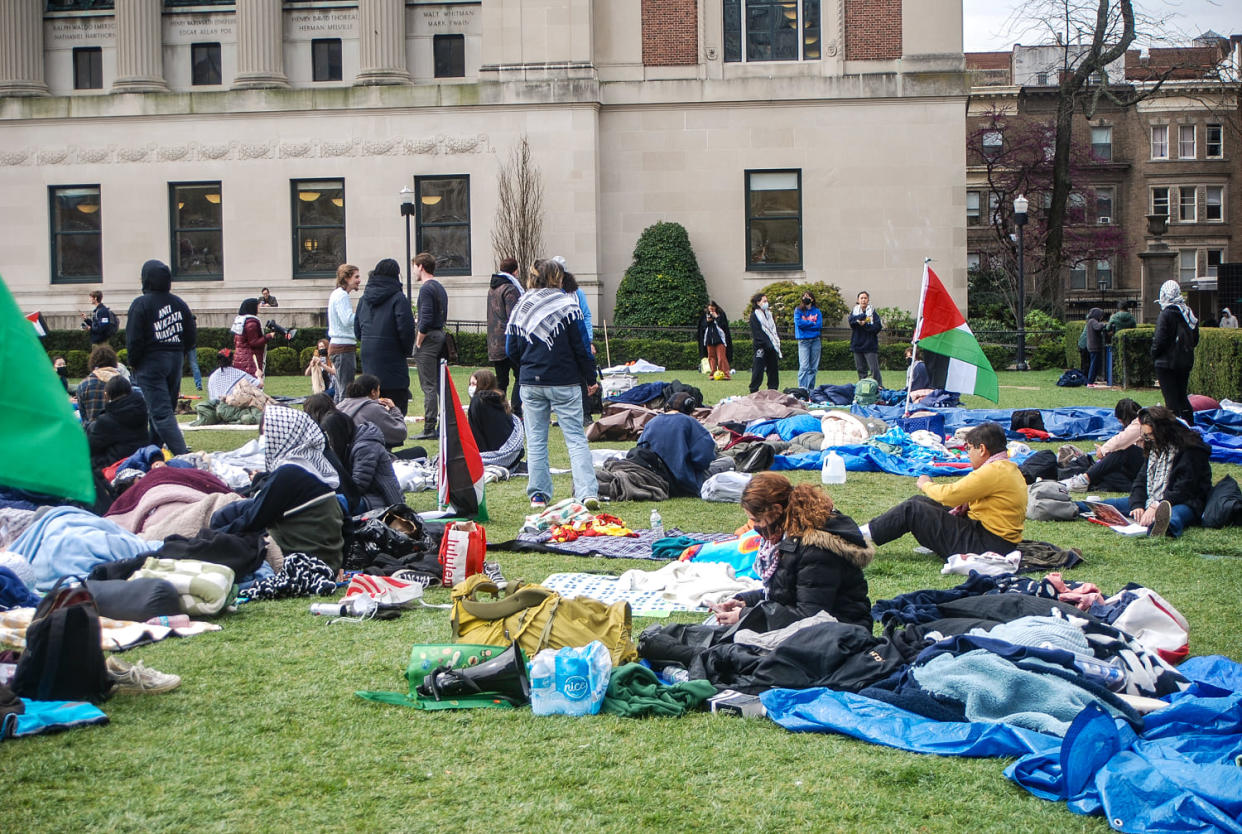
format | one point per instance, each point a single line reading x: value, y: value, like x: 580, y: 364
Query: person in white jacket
x: 342, y: 344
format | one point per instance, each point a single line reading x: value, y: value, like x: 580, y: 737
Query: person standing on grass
x: 808, y: 327
x: 342, y: 344
x: 1096, y: 328
x: 429, y: 343
x: 865, y: 327
x: 1173, y: 349
x: 502, y: 297
x: 249, y: 340
x: 158, y: 331
x: 715, y: 343
x: 384, y: 326
x: 1227, y: 319
x: 767, y: 345
x: 100, y: 323
x: 545, y: 344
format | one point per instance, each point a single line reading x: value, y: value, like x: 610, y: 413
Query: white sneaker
x: 137, y: 679
x: 1077, y: 483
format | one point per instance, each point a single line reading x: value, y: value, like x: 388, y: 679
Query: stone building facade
x: 258, y: 143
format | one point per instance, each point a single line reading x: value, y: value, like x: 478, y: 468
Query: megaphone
x: 503, y: 676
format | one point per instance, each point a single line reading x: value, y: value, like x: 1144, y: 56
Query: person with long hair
x: 1115, y: 462
x: 249, y: 340
x: 1173, y: 349
x: 321, y: 372
x: 569, y: 284
x: 543, y: 340
x: 865, y: 327
x: 808, y: 327
x: 342, y: 343
x: 1171, y: 489
x: 497, y: 431
x: 363, y: 404
x: 766, y: 342
x: 338, y: 432
x: 715, y: 342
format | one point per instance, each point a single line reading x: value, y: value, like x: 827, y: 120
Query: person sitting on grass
x: 121, y: 428
x: 1171, y: 489
x: 321, y: 372
x: 338, y: 431
x: 497, y: 430
x: 1115, y: 463
x: 101, y: 367
x: 985, y: 511
x: 363, y: 404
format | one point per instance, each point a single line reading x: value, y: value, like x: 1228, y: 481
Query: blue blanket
x: 67, y: 541
x: 1070, y: 423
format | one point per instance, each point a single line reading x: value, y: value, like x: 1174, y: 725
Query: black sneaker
x: 1160, y: 524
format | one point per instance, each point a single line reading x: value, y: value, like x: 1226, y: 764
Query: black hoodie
x: 158, y: 320
x: 384, y: 326
x: 119, y: 431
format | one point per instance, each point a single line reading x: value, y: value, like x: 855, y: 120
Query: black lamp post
x: 1020, y: 206
x: 407, y: 211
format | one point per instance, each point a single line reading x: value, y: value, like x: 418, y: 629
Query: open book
x: 1111, y: 516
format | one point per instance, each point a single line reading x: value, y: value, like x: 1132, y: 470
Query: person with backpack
x: 1173, y: 349
x: 865, y: 327
x: 100, y: 323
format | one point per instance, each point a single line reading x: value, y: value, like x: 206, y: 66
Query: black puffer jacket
x: 822, y: 571
x: 119, y: 431
x: 384, y: 327
x: 1190, y: 478
x: 371, y: 469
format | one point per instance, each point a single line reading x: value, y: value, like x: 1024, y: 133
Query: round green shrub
x: 663, y: 286
x: 282, y: 361
x: 122, y: 356
x: 305, y: 356
x: 206, y: 359
x: 784, y: 296
x: 75, y: 360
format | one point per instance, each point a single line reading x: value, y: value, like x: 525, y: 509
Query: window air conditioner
x: 1104, y: 221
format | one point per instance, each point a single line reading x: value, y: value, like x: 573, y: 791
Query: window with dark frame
x: 1213, y: 141
x: 76, y: 234
x: 326, y: 59
x: 196, y: 230
x: 771, y: 30
x: 1214, y: 206
x: 774, y: 219
x: 318, y: 227
x: 442, y: 220
x: 1102, y: 143
x: 205, y: 65
x: 88, y: 68
x: 449, y: 52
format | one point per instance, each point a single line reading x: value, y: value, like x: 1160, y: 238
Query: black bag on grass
x: 1026, y: 418
x: 1224, y: 504
x: 63, y: 660
x: 1042, y: 464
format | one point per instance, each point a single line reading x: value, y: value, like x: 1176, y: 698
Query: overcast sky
x: 988, y: 26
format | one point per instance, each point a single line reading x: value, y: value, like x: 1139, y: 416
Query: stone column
x: 21, y: 48
x: 1159, y: 265
x: 139, y: 47
x: 260, y: 46
x: 381, y: 42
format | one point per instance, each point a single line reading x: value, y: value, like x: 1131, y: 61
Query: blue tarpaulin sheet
x: 1070, y: 423
x: 871, y: 459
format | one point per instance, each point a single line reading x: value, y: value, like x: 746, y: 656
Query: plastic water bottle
x: 657, y: 524
x: 570, y: 681
x: 833, y: 471
x: 1106, y: 674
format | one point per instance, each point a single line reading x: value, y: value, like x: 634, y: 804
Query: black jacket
x: 707, y: 335
x: 102, y: 325
x: 1095, y: 330
x: 371, y: 469
x: 822, y: 571
x: 384, y: 327
x: 865, y: 338
x: 118, y: 431
x: 432, y: 306
x: 759, y: 337
x: 1190, y: 478
x: 158, y: 320
x: 1173, y: 345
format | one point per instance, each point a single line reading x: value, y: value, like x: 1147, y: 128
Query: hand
x: 1137, y: 514
x: 387, y: 403
x: 922, y: 481
x: 591, y: 389
x: 730, y: 604
x: 1148, y: 516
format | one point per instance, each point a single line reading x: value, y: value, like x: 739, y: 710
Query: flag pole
x: 914, y: 337
x: 442, y: 463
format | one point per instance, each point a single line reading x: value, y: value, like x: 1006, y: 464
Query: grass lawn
x: 265, y: 733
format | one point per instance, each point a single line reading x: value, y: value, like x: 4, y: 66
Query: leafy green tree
x: 663, y: 286
x: 784, y: 296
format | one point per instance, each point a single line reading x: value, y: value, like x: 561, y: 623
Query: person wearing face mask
x: 321, y: 371
x: 865, y: 327
x: 767, y: 344
x: 808, y: 325
x: 62, y: 371
x: 497, y: 430
x: 715, y: 343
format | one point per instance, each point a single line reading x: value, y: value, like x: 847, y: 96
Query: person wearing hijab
x: 249, y: 341
x: 1173, y: 349
x: 767, y: 344
x: 1096, y: 328
x: 295, y: 501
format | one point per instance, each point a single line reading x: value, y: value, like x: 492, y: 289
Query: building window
x: 88, y: 68
x: 773, y: 30
x: 774, y: 219
x: 1104, y: 275
x: 972, y: 208
x: 1078, y: 276
x: 1214, y: 142
x: 77, y: 5
x: 1102, y: 143
x: 1041, y: 79
x: 994, y: 208
x: 1159, y: 141
x: 77, y: 245
x: 1186, y: 141
x: 197, y: 230
x: 993, y: 143
x: 205, y: 64
x: 326, y: 59
x: 1214, y: 208
x: 973, y: 261
x: 442, y: 214
x: 1076, y: 207
x: 1187, y: 264
x: 450, y: 55
x: 318, y: 227
x: 1215, y: 257
x: 1104, y: 206
x: 1186, y: 209
x: 1160, y: 201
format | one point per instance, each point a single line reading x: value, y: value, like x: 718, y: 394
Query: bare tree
x: 518, y: 230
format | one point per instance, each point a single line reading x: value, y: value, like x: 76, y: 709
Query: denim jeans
x: 1180, y: 518
x: 808, y: 361
x: 192, y: 355
x: 538, y: 404
x: 160, y: 381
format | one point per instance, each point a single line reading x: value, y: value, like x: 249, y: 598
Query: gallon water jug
x: 833, y: 471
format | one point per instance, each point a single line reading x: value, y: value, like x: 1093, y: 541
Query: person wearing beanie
x: 384, y: 327
x: 159, y: 330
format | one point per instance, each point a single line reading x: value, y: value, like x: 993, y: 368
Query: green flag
x: 42, y: 445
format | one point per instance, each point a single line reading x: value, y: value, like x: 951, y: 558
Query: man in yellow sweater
x: 981, y: 512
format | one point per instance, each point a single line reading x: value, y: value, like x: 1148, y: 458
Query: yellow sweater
x: 995, y: 495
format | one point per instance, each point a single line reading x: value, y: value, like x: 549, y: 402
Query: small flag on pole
x: 40, y: 326
x: 459, y: 475
x: 950, y: 350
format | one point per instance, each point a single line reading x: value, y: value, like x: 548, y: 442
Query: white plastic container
x: 833, y: 471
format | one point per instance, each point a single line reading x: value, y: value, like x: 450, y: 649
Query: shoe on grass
x: 591, y: 502
x: 492, y: 571
x: 137, y: 679
x: 1077, y: 483
x: 1160, y: 524
x: 538, y: 502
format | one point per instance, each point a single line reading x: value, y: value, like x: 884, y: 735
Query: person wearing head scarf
x: 249, y: 341
x: 295, y: 501
x: 1173, y: 349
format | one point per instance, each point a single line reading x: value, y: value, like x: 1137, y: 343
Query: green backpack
x: 866, y: 391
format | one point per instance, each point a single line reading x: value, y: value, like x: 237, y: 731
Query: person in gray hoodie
x: 363, y: 404
x: 159, y: 330
x: 1096, y: 328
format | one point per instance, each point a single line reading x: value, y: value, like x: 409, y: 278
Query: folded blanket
x: 115, y: 635
x: 204, y: 588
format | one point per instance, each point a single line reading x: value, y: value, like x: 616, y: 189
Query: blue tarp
x: 869, y: 459
x: 1219, y: 420
x: 1070, y: 423
x: 1226, y: 448
x: 786, y: 427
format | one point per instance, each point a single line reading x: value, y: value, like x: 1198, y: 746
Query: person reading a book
x: 984, y: 511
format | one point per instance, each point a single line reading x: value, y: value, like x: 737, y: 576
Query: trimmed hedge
x: 1218, y: 364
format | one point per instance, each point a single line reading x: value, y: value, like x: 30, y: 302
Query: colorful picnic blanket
x: 677, y: 586
x: 610, y: 547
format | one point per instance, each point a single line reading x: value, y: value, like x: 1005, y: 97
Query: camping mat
x: 610, y: 547
x: 115, y: 635
x: 606, y: 589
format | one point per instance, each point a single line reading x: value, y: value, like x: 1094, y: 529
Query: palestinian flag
x: 948, y: 347
x: 42, y: 446
x: 459, y: 474
x: 40, y: 326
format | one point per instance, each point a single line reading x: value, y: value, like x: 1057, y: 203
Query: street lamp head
x: 407, y: 201
x: 1020, y: 205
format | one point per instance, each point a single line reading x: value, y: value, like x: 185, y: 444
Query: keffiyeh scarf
x: 542, y: 314
x: 222, y: 380
x: 769, y: 327
x: 292, y: 437
x: 1171, y: 296
x: 1158, y: 465
x: 766, y: 560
